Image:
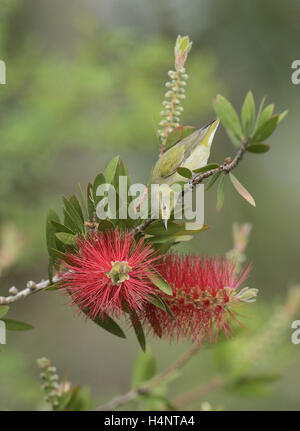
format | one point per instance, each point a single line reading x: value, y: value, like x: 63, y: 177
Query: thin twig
x: 156, y: 381
x: 30, y: 289
x: 195, y: 394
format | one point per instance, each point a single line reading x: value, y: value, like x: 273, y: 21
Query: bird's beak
x: 165, y: 222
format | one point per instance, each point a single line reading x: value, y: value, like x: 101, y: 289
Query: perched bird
x: 191, y: 152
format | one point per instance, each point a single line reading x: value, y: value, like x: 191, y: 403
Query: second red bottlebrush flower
x: 109, y: 270
x: 204, y: 292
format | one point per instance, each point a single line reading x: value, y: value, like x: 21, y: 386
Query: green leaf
x: 110, y: 170
x: 228, y: 116
x: 144, y: 368
x: 168, y: 309
x: 62, y: 256
x: 161, y: 283
x: 265, y: 114
x: 234, y: 139
x: 50, y: 230
x: 82, y: 201
x: 206, y: 168
x: 100, y: 179
x: 248, y: 113
x: 76, y: 219
x: 59, y: 227
x: 185, y: 172
x: 241, y: 190
x: 51, y: 240
x: 90, y: 202
x: 265, y: 129
x: 220, y: 193
x: 160, y: 303
x: 109, y: 325
x: 156, y: 300
x: 75, y: 202
x: 213, y: 179
x: 16, y: 325
x: 177, y: 134
x: 282, y: 115
x: 138, y: 329
x: 261, y: 105
x: 66, y: 238
x: 258, y: 148
x: 3, y: 310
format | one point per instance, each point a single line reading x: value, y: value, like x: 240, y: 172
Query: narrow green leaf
x: 75, y: 202
x: 50, y: 230
x: 77, y: 220
x: 227, y: 115
x: 234, y: 139
x: 161, y: 283
x: 160, y: 303
x: 59, y: 227
x: 82, y: 201
x: 168, y: 309
x: 265, y: 129
x: 100, y: 179
x: 265, y: 114
x: 156, y: 300
x: 248, y: 113
x: 220, y: 193
x: 258, y: 148
x: 206, y: 168
x: 282, y: 115
x: 185, y: 172
x: 51, y: 241
x: 90, y: 201
x: 110, y: 170
x: 62, y: 256
x: 144, y: 368
x: 66, y: 238
x: 138, y: 329
x: 16, y: 325
x: 241, y: 190
x: 109, y: 325
x: 261, y: 105
x: 3, y: 310
x: 213, y: 179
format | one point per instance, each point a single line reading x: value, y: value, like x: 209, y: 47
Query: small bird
x: 191, y: 152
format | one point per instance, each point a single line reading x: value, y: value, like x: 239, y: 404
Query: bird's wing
x: 171, y: 160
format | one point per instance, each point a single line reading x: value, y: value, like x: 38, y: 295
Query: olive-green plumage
x: 192, y: 153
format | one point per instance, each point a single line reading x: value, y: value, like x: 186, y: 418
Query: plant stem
x: 156, y: 381
x: 194, y: 394
x: 30, y: 289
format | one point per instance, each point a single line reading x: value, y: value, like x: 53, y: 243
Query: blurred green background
x: 85, y: 80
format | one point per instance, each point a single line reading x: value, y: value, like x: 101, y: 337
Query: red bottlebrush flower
x: 109, y: 269
x: 204, y: 289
